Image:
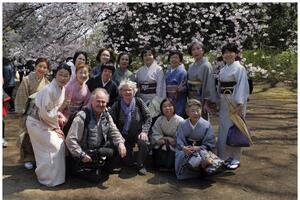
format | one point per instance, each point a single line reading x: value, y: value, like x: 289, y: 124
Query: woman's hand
x: 188, y: 150
x: 143, y: 136
x: 239, y: 110
x: 161, y: 141
x: 122, y: 150
x: 170, y: 140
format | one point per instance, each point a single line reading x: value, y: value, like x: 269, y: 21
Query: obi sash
x: 194, y: 89
x: 148, y: 88
x: 172, y: 91
x: 227, y: 87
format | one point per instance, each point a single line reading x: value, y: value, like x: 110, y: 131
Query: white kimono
x: 233, y: 72
x: 151, y: 79
x: 48, y: 148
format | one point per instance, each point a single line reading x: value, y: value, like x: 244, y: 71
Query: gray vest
x: 95, y: 134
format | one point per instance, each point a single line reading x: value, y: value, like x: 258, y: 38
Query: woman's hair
x: 146, y: 49
x: 165, y: 100
x: 77, y: 54
x: 196, y: 42
x: 122, y: 54
x: 80, y: 66
x: 193, y: 102
x: 64, y: 66
x: 175, y: 52
x: 111, y: 53
x: 130, y: 84
x: 45, y: 60
x: 109, y: 65
x: 230, y: 47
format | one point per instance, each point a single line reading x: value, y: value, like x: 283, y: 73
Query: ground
x: 268, y: 168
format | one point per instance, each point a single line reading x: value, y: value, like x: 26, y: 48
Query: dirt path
x: 268, y: 169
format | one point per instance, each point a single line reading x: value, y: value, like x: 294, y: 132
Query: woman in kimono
x: 133, y: 120
x: 45, y: 134
x: 80, y: 57
x: 150, y: 77
x: 164, y: 133
x: 233, y: 82
x: 194, y: 135
x: 30, y: 84
x: 77, y: 93
x: 176, y: 78
x: 122, y: 72
x: 201, y: 84
x: 104, y: 55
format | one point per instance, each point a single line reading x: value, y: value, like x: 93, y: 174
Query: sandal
x: 234, y: 164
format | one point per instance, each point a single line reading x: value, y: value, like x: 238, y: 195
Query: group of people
x: 122, y: 114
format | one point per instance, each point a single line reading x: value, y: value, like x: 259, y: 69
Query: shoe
x: 28, y: 165
x: 4, y: 143
x: 142, y: 171
x: 234, y: 164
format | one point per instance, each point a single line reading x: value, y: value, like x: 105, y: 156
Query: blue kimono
x: 174, y: 80
x: 202, y: 133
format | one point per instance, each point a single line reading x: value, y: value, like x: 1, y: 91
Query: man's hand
x: 86, y: 159
x: 122, y: 150
x: 143, y: 136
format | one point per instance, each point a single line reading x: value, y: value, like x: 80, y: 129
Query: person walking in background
x: 31, y: 84
x: 233, y: 82
x: 46, y: 136
x: 9, y: 75
x: 201, y: 84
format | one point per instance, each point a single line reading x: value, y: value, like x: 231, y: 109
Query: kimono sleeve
x: 161, y: 84
x: 180, y: 137
x: 157, y: 132
x: 22, y: 96
x: 241, y: 91
x: 209, y: 138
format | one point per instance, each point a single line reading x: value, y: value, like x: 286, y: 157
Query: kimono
x: 176, y: 79
x: 201, y: 83
x: 96, y: 71
x: 110, y: 87
x: 120, y: 75
x: 163, y: 127
x: 49, y: 149
x: 79, y: 95
x: 202, y: 132
x: 151, y: 82
x: 232, y: 77
x: 29, y: 85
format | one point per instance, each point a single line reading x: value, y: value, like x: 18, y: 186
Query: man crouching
x: 91, y: 138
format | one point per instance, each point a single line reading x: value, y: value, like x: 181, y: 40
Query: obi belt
x: 148, y: 88
x: 172, y: 91
x: 227, y: 87
x: 194, y: 89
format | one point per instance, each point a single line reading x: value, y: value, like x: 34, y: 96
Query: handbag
x: 236, y: 138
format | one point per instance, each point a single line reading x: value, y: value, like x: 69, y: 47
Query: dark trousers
x: 128, y: 160
x: 9, y: 92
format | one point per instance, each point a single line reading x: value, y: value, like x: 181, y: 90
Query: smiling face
x: 124, y: 61
x: 82, y: 75
x: 99, y: 102
x: 175, y: 60
x: 106, y: 74
x: 194, y: 113
x: 168, y: 109
x: 41, y: 69
x: 80, y: 60
x: 62, y: 77
x: 148, y: 58
x: 229, y: 56
x: 127, y: 93
x: 197, y: 52
x: 104, y: 57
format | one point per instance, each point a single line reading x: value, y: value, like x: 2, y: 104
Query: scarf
x: 127, y: 110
